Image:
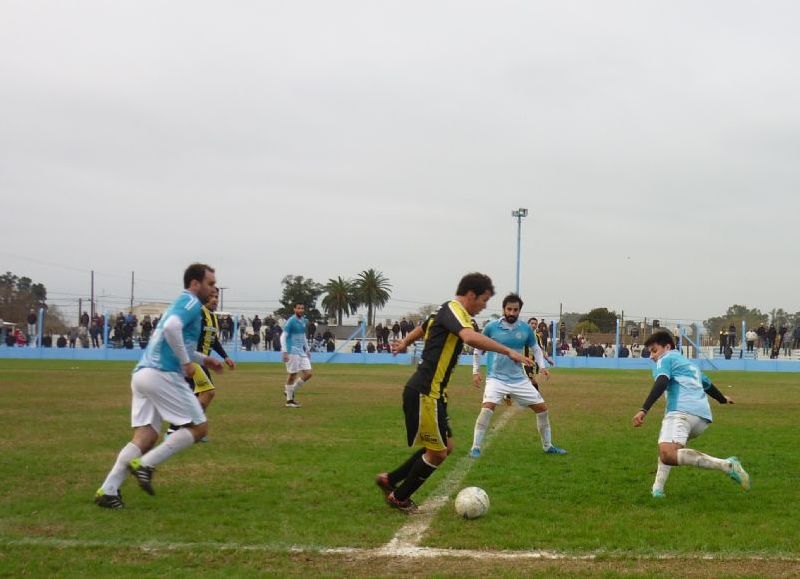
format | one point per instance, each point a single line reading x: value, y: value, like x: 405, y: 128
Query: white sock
x: 691, y: 457
x: 180, y: 440
x: 481, y: 425
x: 119, y: 472
x: 289, y: 391
x: 297, y: 383
x: 543, y: 425
x: 662, y: 474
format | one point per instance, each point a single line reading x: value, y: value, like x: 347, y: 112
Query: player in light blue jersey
x: 687, y: 413
x: 294, y: 346
x: 505, y: 377
x: 160, y: 392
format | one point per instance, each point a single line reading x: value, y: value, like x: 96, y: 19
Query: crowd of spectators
x: 257, y: 333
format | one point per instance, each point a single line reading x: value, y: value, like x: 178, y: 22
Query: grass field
x: 276, y: 488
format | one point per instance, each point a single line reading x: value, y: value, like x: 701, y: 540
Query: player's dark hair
x: 532, y: 320
x: 475, y: 282
x: 660, y: 337
x: 512, y: 298
x: 298, y: 303
x: 196, y: 271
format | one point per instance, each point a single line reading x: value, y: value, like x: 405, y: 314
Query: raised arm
x: 478, y: 340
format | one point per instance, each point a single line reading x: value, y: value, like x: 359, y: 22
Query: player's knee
x: 307, y: 376
x: 436, y: 457
x: 145, y: 437
x: 668, y: 456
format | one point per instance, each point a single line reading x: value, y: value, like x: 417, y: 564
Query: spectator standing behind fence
x: 268, y: 324
x: 276, y: 337
x: 85, y: 320
x: 772, y: 333
x: 796, y: 335
x: 396, y: 331
x: 32, y: 327
x: 761, y: 332
x: 750, y: 337
x: 242, y: 327
x: 786, y: 341
x: 256, y: 331
x: 731, y: 336
x: 723, y: 340
x: 403, y: 328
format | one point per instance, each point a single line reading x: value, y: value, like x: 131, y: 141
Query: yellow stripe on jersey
x: 208, y: 331
x: 442, y: 347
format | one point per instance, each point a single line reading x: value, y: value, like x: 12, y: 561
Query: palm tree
x: 373, y: 291
x: 340, y: 298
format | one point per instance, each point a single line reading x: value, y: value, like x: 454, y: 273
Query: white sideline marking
x: 407, y: 539
x: 409, y: 551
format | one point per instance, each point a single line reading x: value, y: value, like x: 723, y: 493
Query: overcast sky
x: 655, y: 144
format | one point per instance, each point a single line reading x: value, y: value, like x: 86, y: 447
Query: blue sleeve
x: 188, y: 309
x: 487, y: 330
x: 288, y: 327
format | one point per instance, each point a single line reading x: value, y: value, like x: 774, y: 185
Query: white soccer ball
x: 472, y: 502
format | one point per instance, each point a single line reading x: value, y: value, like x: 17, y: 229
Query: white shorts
x: 298, y: 363
x: 680, y: 427
x: 522, y: 392
x: 163, y: 396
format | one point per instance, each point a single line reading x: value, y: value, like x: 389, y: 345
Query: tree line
x: 342, y: 296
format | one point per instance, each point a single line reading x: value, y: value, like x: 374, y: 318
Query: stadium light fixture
x: 519, y: 214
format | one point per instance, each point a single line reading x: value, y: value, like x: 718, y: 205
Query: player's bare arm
x: 478, y: 340
x: 399, y: 346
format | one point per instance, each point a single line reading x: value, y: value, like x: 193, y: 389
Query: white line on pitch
x: 408, y: 551
x: 409, y: 535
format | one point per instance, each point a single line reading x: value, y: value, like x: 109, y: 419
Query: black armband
x: 714, y: 392
x: 659, y: 387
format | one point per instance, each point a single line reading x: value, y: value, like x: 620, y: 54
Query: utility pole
x: 519, y: 214
x: 131, y: 310
x: 221, y: 298
x: 91, y: 307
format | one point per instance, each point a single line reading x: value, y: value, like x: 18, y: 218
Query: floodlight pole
x: 222, y: 298
x: 519, y: 214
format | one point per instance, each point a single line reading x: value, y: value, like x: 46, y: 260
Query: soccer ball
x: 472, y: 502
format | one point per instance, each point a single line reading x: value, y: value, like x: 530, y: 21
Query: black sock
x: 399, y: 474
x: 418, y: 475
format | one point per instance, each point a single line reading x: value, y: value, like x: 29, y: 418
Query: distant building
x: 152, y: 309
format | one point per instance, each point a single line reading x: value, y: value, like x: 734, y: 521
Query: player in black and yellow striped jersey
x: 533, y: 371
x: 425, y: 394
x: 200, y: 382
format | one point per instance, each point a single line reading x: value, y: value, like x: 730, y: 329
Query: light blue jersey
x: 686, y: 388
x: 159, y: 354
x: 515, y: 336
x: 295, y: 332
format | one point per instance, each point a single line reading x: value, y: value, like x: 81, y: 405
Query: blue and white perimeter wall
x: 132, y: 356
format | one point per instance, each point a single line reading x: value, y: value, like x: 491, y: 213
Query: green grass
x: 273, y: 477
